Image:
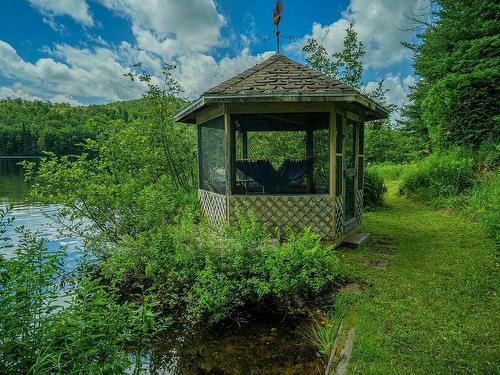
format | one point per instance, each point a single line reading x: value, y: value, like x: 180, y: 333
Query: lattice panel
x: 295, y: 212
x: 213, y: 207
x: 359, y: 206
x: 339, y: 216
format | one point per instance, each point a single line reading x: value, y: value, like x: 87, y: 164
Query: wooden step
x: 356, y: 240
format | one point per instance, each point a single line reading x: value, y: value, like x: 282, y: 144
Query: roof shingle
x: 278, y: 75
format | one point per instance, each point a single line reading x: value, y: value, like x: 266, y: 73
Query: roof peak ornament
x: 278, y: 8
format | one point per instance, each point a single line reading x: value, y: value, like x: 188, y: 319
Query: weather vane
x: 278, y: 8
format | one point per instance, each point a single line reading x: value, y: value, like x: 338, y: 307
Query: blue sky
x: 76, y: 51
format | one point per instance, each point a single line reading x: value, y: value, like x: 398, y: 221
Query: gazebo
x: 286, y: 143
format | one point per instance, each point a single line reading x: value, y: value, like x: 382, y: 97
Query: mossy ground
x: 434, y: 310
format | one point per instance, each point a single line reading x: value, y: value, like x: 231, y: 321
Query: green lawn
x: 434, y: 310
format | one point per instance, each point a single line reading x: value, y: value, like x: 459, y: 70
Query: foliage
x: 121, y: 184
x: 384, y: 144
x: 457, y: 60
x: 374, y: 190
x: 323, y: 335
x: 161, y: 102
x: 482, y: 204
x: 439, y: 175
x: 388, y: 171
x: 32, y: 127
x: 346, y: 65
x: 464, y: 179
x: 202, y: 275
x: 463, y: 109
x: 54, y: 322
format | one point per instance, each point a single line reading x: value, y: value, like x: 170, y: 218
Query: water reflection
x: 13, y: 191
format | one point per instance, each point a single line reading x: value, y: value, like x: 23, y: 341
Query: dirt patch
x: 384, y: 250
x: 378, y: 264
x: 351, y: 287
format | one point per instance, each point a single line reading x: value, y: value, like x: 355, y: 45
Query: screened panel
x: 212, y: 152
x: 361, y: 141
x: 321, y: 160
x: 350, y: 171
x: 350, y: 144
x: 275, y: 155
x: 361, y: 169
x: 340, y: 133
x: 338, y: 176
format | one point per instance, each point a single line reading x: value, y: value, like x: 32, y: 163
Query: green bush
x: 439, y: 176
x: 388, y: 171
x: 387, y: 145
x: 374, y: 190
x: 55, y: 325
x: 203, y: 275
x: 483, y: 203
x: 463, y: 109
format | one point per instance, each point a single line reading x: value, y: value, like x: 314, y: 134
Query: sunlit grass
x: 434, y: 310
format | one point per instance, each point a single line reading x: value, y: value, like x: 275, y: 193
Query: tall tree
x: 383, y: 141
x: 457, y: 59
x: 346, y: 65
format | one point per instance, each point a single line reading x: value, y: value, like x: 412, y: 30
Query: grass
x: 434, y: 310
x: 389, y: 171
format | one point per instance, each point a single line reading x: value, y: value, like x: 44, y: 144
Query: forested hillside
x: 31, y: 127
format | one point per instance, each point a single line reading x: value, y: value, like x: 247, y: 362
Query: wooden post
x: 332, y: 151
x: 200, y: 159
x: 309, y: 156
x: 244, y: 141
x: 230, y: 164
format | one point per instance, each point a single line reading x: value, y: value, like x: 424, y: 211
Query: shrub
x: 204, y: 275
x: 439, y: 176
x: 388, y: 171
x: 463, y: 109
x: 49, y: 326
x: 483, y: 203
x: 386, y: 144
x: 374, y: 190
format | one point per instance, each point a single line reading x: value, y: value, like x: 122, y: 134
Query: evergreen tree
x: 458, y: 61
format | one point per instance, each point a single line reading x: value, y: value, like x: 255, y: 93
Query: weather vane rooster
x: 276, y: 20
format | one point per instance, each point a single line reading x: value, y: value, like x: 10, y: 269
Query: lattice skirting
x: 339, y: 216
x: 293, y: 211
x: 359, y: 206
x: 213, y: 207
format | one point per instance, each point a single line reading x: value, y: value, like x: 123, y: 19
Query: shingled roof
x: 279, y: 77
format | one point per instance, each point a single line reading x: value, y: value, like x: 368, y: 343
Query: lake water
x: 13, y: 192
x: 267, y: 346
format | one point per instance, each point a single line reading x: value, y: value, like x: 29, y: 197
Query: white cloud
x: 65, y: 99
x: 172, y: 27
x: 399, y: 88
x: 77, y: 9
x: 87, y: 73
x: 17, y: 91
x: 97, y: 74
x: 196, y: 66
x: 379, y: 24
